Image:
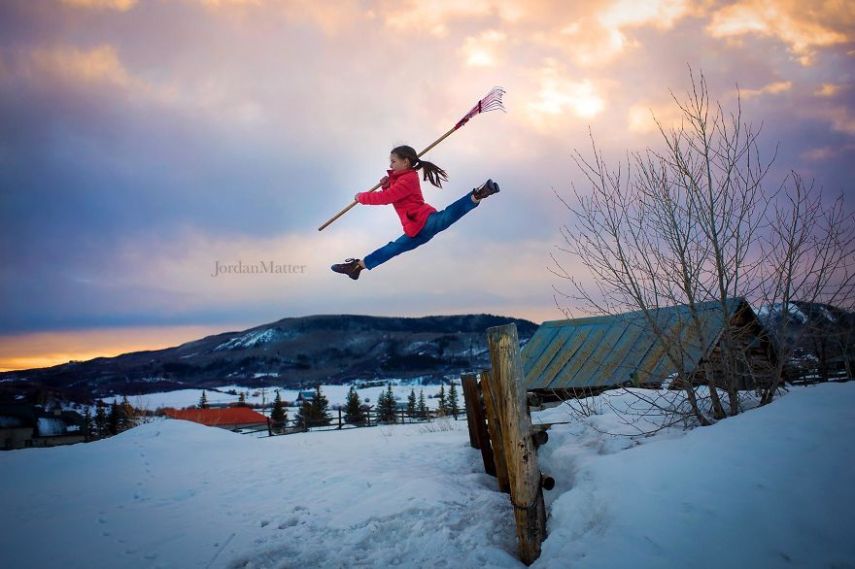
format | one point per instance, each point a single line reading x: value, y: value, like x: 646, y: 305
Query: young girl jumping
x: 420, y: 220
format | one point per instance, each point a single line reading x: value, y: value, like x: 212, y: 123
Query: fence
x: 337, y: 423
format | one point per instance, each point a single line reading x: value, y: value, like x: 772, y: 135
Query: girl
x: 420, y: 220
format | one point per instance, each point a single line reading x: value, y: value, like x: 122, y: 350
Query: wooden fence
x: 500, y: 426
x: 337, y: 422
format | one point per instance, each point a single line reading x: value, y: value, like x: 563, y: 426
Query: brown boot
x: 488, y: 188
x: 350, y: 267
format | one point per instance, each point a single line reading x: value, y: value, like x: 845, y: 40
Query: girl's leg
x: 441, y: 220
x: 392, y: 248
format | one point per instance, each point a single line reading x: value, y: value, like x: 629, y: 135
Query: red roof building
x: 225, y: 418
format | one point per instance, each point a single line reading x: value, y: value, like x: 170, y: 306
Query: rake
x: 491, y: 102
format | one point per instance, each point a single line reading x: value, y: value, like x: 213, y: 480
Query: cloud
x: 601, y: 35
x: 435, y: 16
x: 557, y: 94
x: 99, y: 64
x: 771, y: 89
x: 120, y: 5
x: 803, y: 27
x: 827, y: 90
x: 642, y: 117
x: 482, y: 50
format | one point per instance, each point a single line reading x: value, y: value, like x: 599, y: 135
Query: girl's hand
x: 383, y: 180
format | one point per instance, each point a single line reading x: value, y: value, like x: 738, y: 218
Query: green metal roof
x: 613, y: 350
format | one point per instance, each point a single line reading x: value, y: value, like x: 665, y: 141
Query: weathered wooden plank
x: 473, y: 404
x: 506, y: 382
x: 494, y: 426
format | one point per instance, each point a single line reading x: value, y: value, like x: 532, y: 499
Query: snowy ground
x: 770, y: 488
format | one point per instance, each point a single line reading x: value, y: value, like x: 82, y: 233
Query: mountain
x: 821, y: 338
x: 288, y: 353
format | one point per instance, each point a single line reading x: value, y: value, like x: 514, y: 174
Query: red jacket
x: 403, y: 191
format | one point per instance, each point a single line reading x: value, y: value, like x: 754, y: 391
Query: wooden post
x: 488, y: 389
x: 339, y: 418
x: 483, y: 434
x: 471, y: 400
x: 519, y: 449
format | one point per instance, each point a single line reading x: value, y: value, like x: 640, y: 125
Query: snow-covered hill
x: 769, y: 488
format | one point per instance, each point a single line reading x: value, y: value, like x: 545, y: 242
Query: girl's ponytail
x: 432, y: 173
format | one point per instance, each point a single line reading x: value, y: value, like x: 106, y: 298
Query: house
x: 231, y: 418
x: 306, y: 395
x: 589, y: 355
x: 24, y: 425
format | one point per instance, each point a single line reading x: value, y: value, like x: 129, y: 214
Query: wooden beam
x: 494, y: 425
x: 507, y: 384
x: 473, y: 403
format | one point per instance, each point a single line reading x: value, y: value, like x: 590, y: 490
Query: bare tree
x: 692, y: 223
x: 808, y: 251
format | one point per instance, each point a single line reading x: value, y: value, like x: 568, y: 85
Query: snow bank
x: 770, y: 488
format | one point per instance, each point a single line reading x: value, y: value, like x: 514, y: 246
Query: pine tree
x: 386, y: 405
x: 100, y: 420
x: 304, y: 415
x: 87, y: 424
x: 128, y: 416
x: 203, y: 401
x: 320, y: 405
x: 241, y: 399
x: 453, y: 402
x: 443, y: 403
x: 353, y: 413
x: 422, y: 408
x: 114, y: 419
x: 411, y: 404
x: 278, y: 416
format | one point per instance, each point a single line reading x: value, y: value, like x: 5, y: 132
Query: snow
x: 51, y: 426
x: 793, y: 311
x: 178, y: 398
x: 254, y: 338
x: 768, y: 488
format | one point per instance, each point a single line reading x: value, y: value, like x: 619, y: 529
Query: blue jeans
x: 436, y: 222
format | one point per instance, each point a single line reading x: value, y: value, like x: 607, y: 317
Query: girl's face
x: 396, y: 163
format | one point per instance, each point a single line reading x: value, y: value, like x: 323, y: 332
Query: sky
x: 143, y: 142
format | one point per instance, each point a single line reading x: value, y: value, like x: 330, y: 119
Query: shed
x: 566, y: 356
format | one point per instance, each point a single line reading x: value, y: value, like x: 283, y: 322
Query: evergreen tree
x: 203, y: 401
x: 443, y: 403
x: 386, y: 405
x: 422, y: 408
x: 320, y: 405
x: 100, y: 420
x: 304, y: 415
x: 278, y: 416
x: 353, y: 413
x: 411, y: 404
x: 113, y: 420
x: 453, y: 402
x: 87, y: 424
x: 242, y: 399
x: 128, y: 414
